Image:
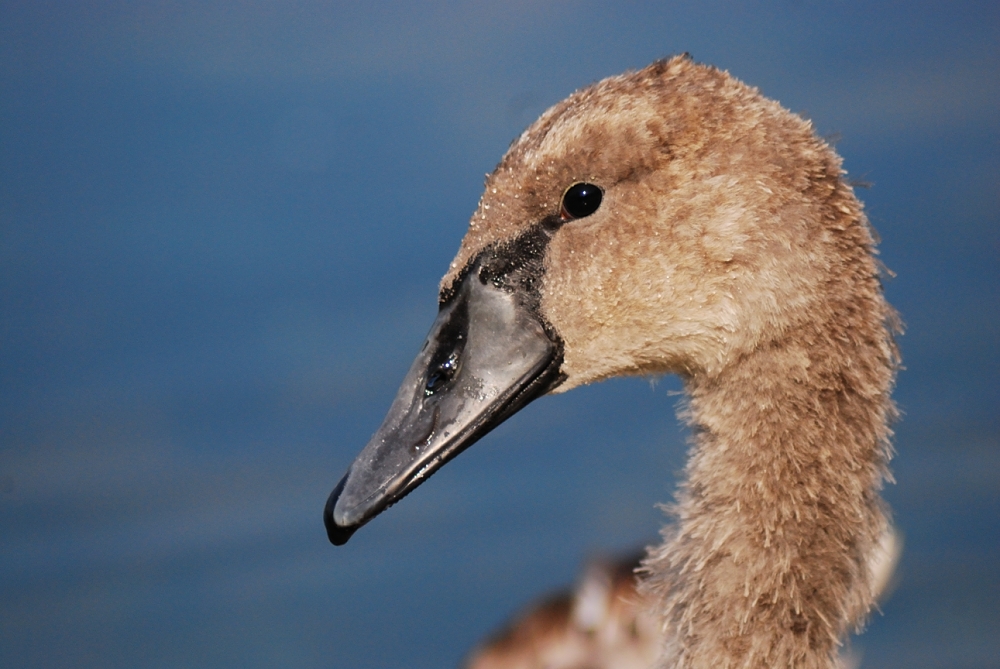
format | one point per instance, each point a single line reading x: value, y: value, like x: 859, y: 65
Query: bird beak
x: 487, y: 356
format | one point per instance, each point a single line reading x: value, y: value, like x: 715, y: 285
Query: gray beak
x: 487, y: 355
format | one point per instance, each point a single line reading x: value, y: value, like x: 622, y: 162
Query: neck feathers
x: 778, y: 522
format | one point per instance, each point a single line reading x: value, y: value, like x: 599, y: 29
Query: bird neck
x: 768, y: 562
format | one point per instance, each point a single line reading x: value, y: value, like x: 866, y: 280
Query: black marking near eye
x: 581, y: 200
x: 515, y: 266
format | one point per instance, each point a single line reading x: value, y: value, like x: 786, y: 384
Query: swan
x: 674, y: 220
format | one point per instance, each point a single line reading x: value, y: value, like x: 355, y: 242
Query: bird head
x: 666, y: 220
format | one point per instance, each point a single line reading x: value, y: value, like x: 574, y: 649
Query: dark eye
x: 580, y: 200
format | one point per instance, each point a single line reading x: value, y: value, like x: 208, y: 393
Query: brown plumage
x: 728, y: 249
x: 603, y: 623
x: 606, y: 623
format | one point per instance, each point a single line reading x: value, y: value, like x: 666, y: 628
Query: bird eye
x: 580, y: 200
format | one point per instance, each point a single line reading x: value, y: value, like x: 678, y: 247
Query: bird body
x: 674, y: 220
x: 603, y: 623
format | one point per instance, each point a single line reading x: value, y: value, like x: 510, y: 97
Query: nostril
x: 440, y: 375
x: 435, y: 381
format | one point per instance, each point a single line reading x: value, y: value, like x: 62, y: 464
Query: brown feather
x: 728, y: 249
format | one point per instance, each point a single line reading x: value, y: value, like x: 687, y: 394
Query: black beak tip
x: 338, y: 535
